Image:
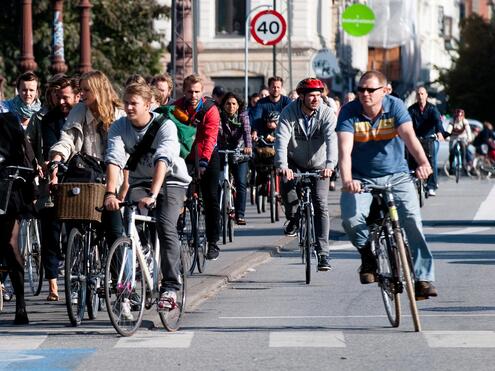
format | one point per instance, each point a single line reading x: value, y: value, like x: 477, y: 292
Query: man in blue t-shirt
x: 372, y: 131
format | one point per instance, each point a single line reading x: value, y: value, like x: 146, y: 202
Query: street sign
x: 268, y: 27
x: 325, y: 64
x: 358, y: 20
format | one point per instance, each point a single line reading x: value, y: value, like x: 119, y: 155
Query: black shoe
x: 291, y: 228
x: 323, y: 264
x: 21, y: 317
x: 424, y: 289
x: 213, y: 251
x: 367, y: 272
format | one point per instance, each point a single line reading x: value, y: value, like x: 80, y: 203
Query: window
x: 231, y: 18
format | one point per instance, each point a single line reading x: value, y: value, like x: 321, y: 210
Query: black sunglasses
x: 369, y: 90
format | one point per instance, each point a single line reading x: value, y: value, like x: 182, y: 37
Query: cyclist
x: 265, y: 148
x: 160, y: 169
x: 235, y: 132
x: 459, y: 131
x: 427, y: 122
x: 15, y: 150
x: 204, y: 115
x: 306, y: 141
x: 86, y: 130
x: 372, y: 131
x: 275, y: 101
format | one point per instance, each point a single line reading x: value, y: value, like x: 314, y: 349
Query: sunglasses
x: 369, y: 90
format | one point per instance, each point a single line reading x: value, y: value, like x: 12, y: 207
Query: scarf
x: 22, y: 110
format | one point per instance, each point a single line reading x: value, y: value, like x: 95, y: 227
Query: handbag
x: 83, y: 168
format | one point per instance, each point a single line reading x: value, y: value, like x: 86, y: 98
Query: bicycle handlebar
x: 307, y: 174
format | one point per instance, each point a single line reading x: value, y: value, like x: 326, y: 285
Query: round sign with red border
x: 268, y: 27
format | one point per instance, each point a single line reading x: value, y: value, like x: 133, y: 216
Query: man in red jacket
x: 204, y: 115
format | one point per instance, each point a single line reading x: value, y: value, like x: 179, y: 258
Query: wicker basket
x: 77, y: 201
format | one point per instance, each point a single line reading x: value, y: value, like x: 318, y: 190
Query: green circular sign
x: 358, y: 20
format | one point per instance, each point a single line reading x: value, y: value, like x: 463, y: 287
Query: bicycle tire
x: 308, y: 242
x: 185, y: 229
x: 273, y: 199
x: 230, y: 216
x: 33, y: 262
x: 406, y: 271
x: 122, y: 290
x: 75, y: 277
x: 457, y: 168
x: 225, y: 213
x: 388, y: 272
x: 172, y: 318
x: 93, y: 283
x: 201, y: 247
x: 1, y: 295
x: 259, y: 198
x: 421, y: 193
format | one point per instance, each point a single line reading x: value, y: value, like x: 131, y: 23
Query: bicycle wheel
x: 230, y: 217
x: 1, y: 295
x: 185, y: 229
x: 388, y: 272
x: 75, y: 277
x: 406, y: 271
x: 308, y: 242
x: 200, y: 244
x: 32, y: 251
x: 273, y: 199
x: 124, y: 287
x: 457, y: 167
x: 225, y: 212
x: 171, y: 318
x: 93, y: 282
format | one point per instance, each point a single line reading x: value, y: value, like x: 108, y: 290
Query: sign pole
x: 246, y: 51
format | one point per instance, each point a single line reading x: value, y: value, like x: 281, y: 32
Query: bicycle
x: 86, y: 247
x: 30, y: 248
x: 268, y: 183
x: 227, y: 192
x: 393, y: 258
x: 191, y: 228
x: 132, y: 277
x: 422, y: 184
x: 457, y: 161
x: 305, y: 216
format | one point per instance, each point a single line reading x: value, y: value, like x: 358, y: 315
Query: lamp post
x: 85, y: 37
x: 26, y: 61
x: 246, y: 50
x: 57, y: 58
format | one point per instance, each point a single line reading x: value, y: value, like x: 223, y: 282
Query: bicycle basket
x: 267, y: 152
x: 77, y: 201
x: 5, y: 191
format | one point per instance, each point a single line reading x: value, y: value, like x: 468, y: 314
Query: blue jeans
x: 240, y: 171
x: 355, y: 208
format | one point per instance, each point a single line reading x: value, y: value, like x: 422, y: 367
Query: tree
x: 122, y: 42
x: 469, y: 83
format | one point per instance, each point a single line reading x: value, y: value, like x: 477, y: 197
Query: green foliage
x: 122, y: 37
x: 470, y: 81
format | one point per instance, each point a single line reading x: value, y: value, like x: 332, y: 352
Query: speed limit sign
x: 268, y: 27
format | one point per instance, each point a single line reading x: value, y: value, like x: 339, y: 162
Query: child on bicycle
x: 159, y: 169
x: 265, y: 147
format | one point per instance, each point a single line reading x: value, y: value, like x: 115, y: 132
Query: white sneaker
x: 431, y: 192
x: 125, y: 310
x: 168, y: 300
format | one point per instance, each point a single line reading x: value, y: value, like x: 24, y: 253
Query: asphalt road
x: 252, y: 310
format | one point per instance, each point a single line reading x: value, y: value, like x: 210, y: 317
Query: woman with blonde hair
x: 86, y: 131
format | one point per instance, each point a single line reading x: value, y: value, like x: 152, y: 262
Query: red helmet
x: 310, y: 84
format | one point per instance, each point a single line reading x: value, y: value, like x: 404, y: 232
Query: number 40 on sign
x: 268, y: 27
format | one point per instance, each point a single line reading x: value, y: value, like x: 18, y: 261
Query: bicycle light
x: 75, y: 191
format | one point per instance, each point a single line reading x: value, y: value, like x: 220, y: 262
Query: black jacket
x: 427, y: 122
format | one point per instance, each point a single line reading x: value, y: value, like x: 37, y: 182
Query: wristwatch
x: 152, y: 195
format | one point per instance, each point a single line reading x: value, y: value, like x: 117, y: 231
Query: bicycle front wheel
x: 308, y: 242
x: 185, y: 229
x: 93, y: 282
x: 125, y: 289
x: 33, y: 262
x: 406, y: 270
x: 75, y: 277
x: 225, y: 212
x: 421, y: 192
x: 171, y: 318
x: 388, y: 272
x: 230, y: 216
x: 200, y: 237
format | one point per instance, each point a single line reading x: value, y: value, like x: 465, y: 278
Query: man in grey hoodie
x: 306, y: 141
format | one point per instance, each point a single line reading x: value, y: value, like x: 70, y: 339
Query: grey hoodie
x: 314, y: 152
x: 122, y: 139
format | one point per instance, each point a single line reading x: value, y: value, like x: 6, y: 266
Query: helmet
x: 310, y: 84
x: 272, y: 116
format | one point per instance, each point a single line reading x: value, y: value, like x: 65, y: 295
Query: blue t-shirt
x: 378, y: 150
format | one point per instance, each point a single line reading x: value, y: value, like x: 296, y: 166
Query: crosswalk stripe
x: 314, y: 339
x: 460, y: 339
x: 16, y: 342
x: 151, y: 339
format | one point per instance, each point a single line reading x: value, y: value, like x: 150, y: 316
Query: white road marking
x: 485, y: 211
x: 357, y: 316
x: 152, y: 339
x: 17, y: 342
x: 460, y: 339
x: 319, y: 339
x: 468, y: 230
x: 345, y: 246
